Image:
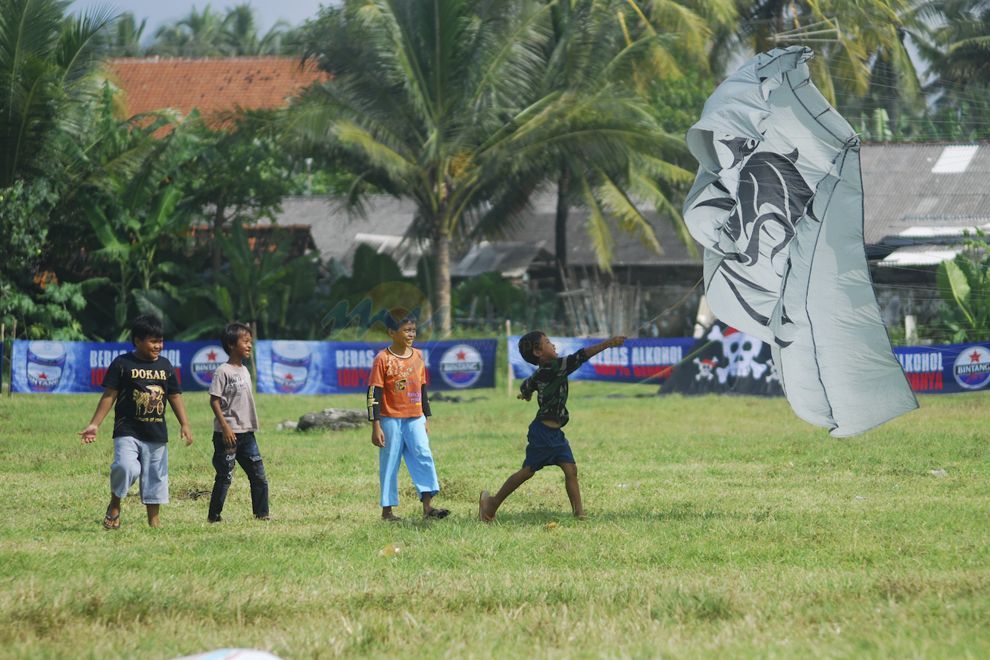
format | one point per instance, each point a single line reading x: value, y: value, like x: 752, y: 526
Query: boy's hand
x: 615, y: 341
x: 377, y: 436
x: 524, y: 397
x: 427, y: 426
x: 88, y: 434
x: 186, y: 432
x: 229, y: 437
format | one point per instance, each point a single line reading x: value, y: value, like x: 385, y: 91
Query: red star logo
x: 461, y: 355
x: 211, y: 356
x: 288, y: 376
x: 43, y: 376
x: 974, y: 357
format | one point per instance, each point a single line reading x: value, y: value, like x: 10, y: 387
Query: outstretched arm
x: 573, y: 361
x: 103, y: 407
x: 590, y: 351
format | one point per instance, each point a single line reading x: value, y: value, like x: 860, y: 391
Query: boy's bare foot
x: 390, y: 517
x: 580, y: 515
x: 485, y: 513
x: 111, y: 520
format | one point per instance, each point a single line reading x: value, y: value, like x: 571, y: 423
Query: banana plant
x: 964, y: 285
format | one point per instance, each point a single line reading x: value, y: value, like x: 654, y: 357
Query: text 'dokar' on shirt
x: 143, y: 387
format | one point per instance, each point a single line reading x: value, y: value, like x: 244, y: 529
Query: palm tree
x: 199, y: 34
x: 857, y: 42
x: 240, y: 33
x: 958, y: 50
x: 47, y: 67
x: 126, y: 38
x: 596, y: 43
x: 445, y: 102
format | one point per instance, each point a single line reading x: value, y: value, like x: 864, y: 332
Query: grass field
x: 716, y: 526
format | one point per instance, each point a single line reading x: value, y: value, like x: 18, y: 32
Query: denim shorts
x: 134, y: 460
x: 546, y: 446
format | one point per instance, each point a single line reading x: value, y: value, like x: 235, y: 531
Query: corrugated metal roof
x: 510, y: 258
x: 904, y: 203
x: 901, y: 191
x: 920, y: 255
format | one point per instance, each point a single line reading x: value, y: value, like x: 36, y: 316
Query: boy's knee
x: 126, y: 467
x: 258, y: 470
x: 570, y: 470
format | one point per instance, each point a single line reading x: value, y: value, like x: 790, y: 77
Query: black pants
x: 246, y: 453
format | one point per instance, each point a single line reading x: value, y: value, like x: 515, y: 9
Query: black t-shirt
x: 550, y: 384
x: 143, y: 386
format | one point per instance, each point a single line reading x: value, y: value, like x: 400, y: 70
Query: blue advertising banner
x: 65, y: 367
x: 947, y: 368
x: 315, y: 367
x: 636, y: 360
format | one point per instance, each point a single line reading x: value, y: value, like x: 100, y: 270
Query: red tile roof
x: 210, y: 85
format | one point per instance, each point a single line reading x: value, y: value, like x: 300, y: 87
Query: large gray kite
x: 778, y: 207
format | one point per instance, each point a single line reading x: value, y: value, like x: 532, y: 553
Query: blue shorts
x: 546, y: 446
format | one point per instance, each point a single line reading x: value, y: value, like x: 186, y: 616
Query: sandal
x: 111, y: 522
x: 437, y: 513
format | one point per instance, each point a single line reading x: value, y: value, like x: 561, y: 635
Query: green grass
x: 717, y: 526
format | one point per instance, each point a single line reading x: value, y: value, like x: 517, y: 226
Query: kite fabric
x: 778, y: 207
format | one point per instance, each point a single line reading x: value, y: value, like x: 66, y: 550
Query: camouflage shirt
x: 550, y: 384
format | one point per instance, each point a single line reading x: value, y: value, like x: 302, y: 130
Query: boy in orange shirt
x: 398, y: 408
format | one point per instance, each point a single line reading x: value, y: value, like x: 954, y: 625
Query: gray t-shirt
x: 232, y: 385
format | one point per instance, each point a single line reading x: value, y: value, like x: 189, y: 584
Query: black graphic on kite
x: 778, y: 207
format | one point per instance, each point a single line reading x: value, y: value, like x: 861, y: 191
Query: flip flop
x: 437, y: 513
x: 111, y: 522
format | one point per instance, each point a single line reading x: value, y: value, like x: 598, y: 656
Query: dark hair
x: 232, y: 333
x: 529, y: 343
x: 396, y: 318
x: 146, y: 325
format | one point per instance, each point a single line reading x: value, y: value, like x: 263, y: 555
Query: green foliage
x: 267, y: 288
x: 450, y: 104
x: 208, y: 33
x: 964, y: 285
x: 35, y: 300
x: 492, y: 298
x: 47, y: 62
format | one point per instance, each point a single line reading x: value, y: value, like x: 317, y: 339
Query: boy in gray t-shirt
x: 232, y: 401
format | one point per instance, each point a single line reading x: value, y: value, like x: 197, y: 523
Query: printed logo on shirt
x: 150, y: 404
x: 461, y: 366
x: 205, y: 363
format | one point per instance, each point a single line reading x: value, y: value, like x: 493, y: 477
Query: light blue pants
x: 406, y: 437
x: 135, y: 459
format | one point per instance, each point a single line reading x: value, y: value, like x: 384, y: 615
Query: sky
x: 159, y: 12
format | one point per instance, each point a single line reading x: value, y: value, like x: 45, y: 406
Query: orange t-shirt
x: 401, y: 380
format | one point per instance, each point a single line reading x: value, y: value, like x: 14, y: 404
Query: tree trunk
x: 441, y: 248
x: 560, y: 227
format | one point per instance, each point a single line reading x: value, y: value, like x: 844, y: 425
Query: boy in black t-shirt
x: 546, y: 443
x: 139, y: 382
